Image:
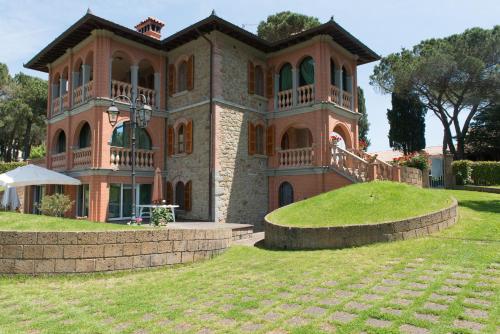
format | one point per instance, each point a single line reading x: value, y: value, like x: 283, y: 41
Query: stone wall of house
x: 201, y: 91
x: 411, y: 176
x: 82, y: 252
x: 287, y: 237
x: 193, y: 167
x: 241, y: 189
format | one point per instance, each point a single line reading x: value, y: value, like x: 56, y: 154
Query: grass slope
x: 451, y: 278
x: 361, y: 203
x: 11, y: 221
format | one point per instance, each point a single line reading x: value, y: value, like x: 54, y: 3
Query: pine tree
x: 363, y: 124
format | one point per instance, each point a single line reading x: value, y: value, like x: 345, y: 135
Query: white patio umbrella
x: 31, y: 175
x: 10, y: 199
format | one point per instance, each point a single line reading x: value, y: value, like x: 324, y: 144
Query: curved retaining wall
x: 85, y: 252
x: 286, y: 237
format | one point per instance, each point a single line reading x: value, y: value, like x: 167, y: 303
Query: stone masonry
x: 78, y: 252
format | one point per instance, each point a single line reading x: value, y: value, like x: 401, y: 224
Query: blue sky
x: 385, y: 26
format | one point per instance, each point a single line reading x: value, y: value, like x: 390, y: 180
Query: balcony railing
x: 347, y: 100
x: 121, y: 158
x: 305, y: 94
x: 78, y: 96
x: 56, y: 106
x: 297, y: 157
x: 66, y: 101
x: 285, y: 99
x: 335, y: 94
x: 123, y: 88
x: 58, y: 161
x: 82, y: 158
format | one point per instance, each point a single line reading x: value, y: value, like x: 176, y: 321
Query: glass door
x: 83, y: 200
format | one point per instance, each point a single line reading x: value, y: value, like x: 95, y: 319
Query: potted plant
x: 161, y: 216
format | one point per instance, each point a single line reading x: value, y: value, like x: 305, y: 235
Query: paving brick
x: 475, y: 313
x: 410, y: 329
x: 378, y: 323
x: 435, y: 306
x: 466, y: 324
x: 426, y: 317
x: 343, y: 317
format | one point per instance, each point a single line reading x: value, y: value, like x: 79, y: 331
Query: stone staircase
x: 359, y: 166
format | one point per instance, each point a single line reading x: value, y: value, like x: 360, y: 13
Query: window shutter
x: 170, y: 140
x: 251, y: 78
x: 190, y: 73
x: 171, y: 79
x: 269, y: 83
x: 189, y: 137
x: 251, y: 138
x: 170, y: 193
x: 187, y: 196
x: 270, y: 140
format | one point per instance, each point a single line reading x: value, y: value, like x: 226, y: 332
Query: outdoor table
x: 152, y: 206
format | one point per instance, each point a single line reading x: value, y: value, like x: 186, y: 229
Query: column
x: 75, y: 78
x: 62, y: 88
x: 157, y: 91
x: 276, y: 90
x: 350, y: 90
x: 85, y: 80
x: 134, y: 79
x: 295, y: 86
x: 338, y: 81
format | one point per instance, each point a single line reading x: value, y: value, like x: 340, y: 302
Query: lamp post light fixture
x: 138, y: 117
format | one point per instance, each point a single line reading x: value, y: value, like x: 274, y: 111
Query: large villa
x: 240, y: 126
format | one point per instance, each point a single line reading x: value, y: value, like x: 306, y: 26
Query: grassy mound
x: 362, y: 203
x: 11, y: 221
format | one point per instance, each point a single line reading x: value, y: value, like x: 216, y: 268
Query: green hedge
x: 6, y: 166
x: 481, y: 173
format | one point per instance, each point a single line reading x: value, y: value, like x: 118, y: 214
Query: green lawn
x: 439, y: 284
x: 24, y: 222
x: 361, y: 203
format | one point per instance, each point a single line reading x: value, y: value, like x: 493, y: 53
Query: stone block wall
x: 287, y: 237
x: 84, y: 252
x: 241, y: 184
x: 411, y: 176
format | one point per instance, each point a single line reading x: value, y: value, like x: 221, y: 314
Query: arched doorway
x: 285, y: 194
x: 342, y: 136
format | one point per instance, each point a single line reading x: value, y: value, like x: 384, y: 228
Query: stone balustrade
x: 349, y: 163
x: 297, y: 157
x: 305, y: 94
x: 347, y: 100
x: 334, y: 94
x: 82, y: 158
x: 121, y: 158
x: 285, y: 99
x: 58, y: 161
x: 56, y: 106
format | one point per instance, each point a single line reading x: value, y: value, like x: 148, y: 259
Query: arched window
x: 259, y: 139
x: 306, y: 72
x: 285, y: 195
x: 179, y: 195
x: 121, y: 137
x: 332, y: 73
x: 181, y: 131
x: 85, y: 136
x: 286, y: 80
x: 344, y: 80
x: 61, y: 142
x: 182, y: 76
x: 259, y: 81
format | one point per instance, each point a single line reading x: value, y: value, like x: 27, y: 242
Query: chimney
x: 150, y: 27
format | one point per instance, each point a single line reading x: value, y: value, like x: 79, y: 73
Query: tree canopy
x: 455, y: 77
x: 284, y: 24
x: 483, y: 139
x: 407, y: 123
x: 363, y: 124
x: 23, y: 103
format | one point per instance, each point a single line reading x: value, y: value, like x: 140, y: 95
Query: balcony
x: 56, y: 107
x: 296, y: 157
x: 123, y: 88
x: 121, y: 158
x: 304, y: 96
x: 341, y: 98
x: 82, y: 158
x: 83, y: 93
x: 58, y: 161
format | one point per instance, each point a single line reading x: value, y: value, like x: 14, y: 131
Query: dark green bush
x: 481, y: 173
x: 7, y: 166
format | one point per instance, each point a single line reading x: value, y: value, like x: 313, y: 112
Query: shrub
x: 462, y: 169
x: 37, y: 152
x: 415, y: 160
x: 55, y: 205
x: 7, y: 166
x: 161, y: 216
x: 486, y: 173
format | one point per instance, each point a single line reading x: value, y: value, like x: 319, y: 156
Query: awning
x: 31, y: 175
